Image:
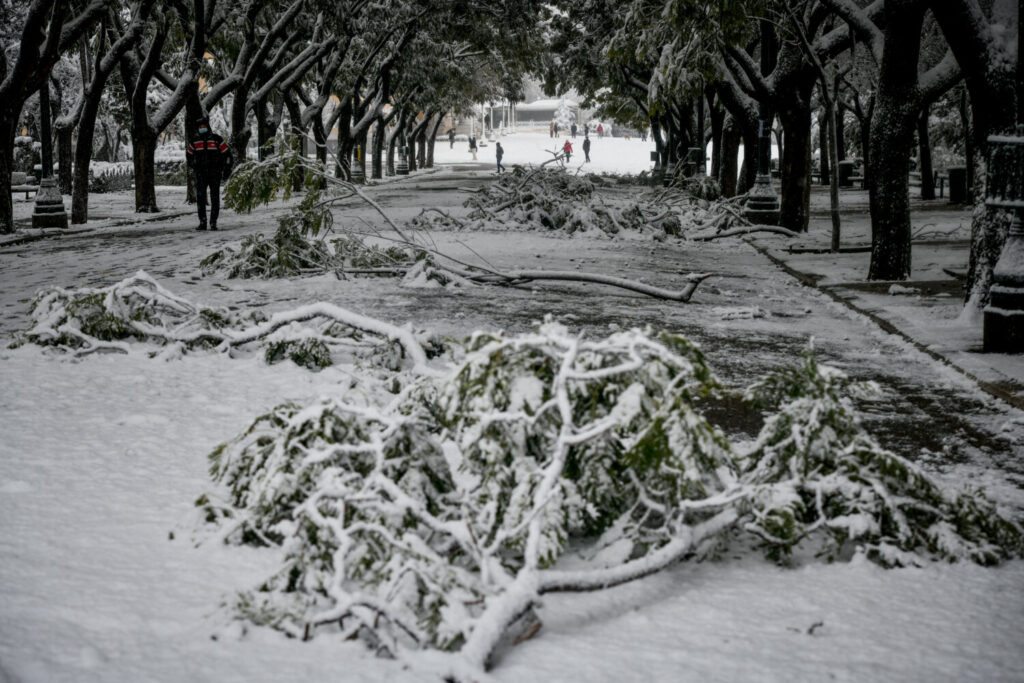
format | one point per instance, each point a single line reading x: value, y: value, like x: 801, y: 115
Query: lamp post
x: 763, y: 203
x: 1004, y: 188
x: 48, y: 211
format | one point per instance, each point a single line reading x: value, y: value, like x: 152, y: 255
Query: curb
x: 74, y: 232
x: 988, y: 387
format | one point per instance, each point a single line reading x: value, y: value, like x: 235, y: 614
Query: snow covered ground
x: 607, y: 155
x: 101, y: 459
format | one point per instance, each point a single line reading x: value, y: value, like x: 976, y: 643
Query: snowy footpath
x: 101, y: 459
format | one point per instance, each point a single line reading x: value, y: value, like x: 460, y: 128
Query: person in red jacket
x: 567, y: 150
x: 210, y: 157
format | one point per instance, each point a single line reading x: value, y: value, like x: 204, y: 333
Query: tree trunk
x: 8, y: 126
x: 45, y: 131
x: 717, y: 116
x: 432, y: 140
x: 794, y: 213
x: 421, y: 145
x: 64, y: 158
x: 965, y: 123
x: 379, y: 138
x: 83, y: 156
x: 748, y: 174
x: 897, y: 106
x: 298, y: 138
x: 144, y: 151
x: 823, y: 147
x: 730, y: 151
x: 840, y: 125
x: 392, y: 142
x: 925, y: 147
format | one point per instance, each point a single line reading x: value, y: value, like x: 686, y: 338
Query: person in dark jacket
x: 451, y: 138
x: 573, y: 129
x: 210, y: 157
x: 499, y: 152
x: 586, y: 149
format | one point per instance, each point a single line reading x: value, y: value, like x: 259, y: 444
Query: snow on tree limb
x: 437, y: 518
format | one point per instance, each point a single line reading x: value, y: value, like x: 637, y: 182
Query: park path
x: 750, y: 317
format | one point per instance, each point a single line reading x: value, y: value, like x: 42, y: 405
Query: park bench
x: 20, y: 183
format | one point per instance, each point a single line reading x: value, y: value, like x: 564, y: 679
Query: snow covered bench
x: 20, y: 183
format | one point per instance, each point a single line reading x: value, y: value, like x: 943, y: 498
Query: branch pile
x: 290, y: 253
x: 551, y: 199
x: 140, y: 310
x: 437, y: 518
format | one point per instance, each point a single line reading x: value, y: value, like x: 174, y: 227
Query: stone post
x: 1004, y: 188
x: 763, y: 204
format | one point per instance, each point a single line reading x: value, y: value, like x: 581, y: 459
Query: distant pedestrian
x: 643, y: 135
x: 586, y: 149
x: 210, y: 157
x: 499, y: 152
x: 451, y: 138
x: 556, y: 129
x: 567, y: 151
x: 600, y: 131
x: 573, y: 129
x: 472, y: 146
x: 551, y: 129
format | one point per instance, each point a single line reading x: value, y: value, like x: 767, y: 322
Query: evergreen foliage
x: 139, y: 310
x: 419, y: 521
x: 818, y: 472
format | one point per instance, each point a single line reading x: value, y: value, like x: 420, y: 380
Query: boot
x: 202, y: 226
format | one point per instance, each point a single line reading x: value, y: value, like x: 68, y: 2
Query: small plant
x: 308, y: 353
x: 820, y: 475
x: 288, y: 253
x: 113, y: 179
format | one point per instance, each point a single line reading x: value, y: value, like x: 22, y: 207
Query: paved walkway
x: 760, y: 310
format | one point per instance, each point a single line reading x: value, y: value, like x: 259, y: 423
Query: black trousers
x: 209, y: 184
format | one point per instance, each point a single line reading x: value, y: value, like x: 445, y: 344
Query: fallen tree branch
x: 341, y: 315
x: 524, y: 276
x: 745, y: 231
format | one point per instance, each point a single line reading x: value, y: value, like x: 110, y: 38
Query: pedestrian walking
x: 600, y: 131
x: 567, y: 151
x: 210, y: 157
x: 556, y: 129
x: 586, y: 149
x: 472, y: 146
x: 551, y: 129
x: 499, y: 152
x: 451, y: 138
x: 574, y: 129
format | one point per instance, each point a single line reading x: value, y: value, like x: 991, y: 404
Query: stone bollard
x: 49, y: 209
x: 1004, y: 188
x: 403, y: 161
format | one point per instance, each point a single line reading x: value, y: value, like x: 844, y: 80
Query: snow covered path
x: 101, y: 459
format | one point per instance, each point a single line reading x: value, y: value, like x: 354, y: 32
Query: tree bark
x: 379, y: 139
x: 897, y: 106
x: 794, y: 213
x: 990, y: 74
x: 45, y: 131
x: 83, y: 156
x: 925, y: 148
x: 143, y: 159
x: 432, y: 140
x: 8, y: 127
x: 64, y: 158
x: 731, y: 136
x: 823, y: 147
